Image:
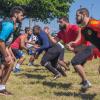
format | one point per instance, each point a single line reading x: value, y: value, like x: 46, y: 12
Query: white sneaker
x: 86, y: 84
x: 30, y: 64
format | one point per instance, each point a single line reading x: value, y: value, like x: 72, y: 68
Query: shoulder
x: 22, y: 36
x: 93, y: 22
x: 74, y: 27
x: 43, y: 34
x: 9, y: 24
x: 59, y: 33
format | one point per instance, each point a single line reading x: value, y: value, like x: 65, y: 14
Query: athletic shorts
x: 18, y: 53
x: 82, y: 56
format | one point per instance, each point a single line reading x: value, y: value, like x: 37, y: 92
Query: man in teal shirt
x: 7, y: 28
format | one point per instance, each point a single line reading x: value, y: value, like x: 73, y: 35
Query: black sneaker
x: 5, y: 92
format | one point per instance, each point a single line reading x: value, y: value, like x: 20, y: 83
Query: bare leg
x: 7, y: 71
x: 81, y: 72
x: 64, y: 64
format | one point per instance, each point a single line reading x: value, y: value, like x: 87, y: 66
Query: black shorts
x: 53, y: 54
x: 82, y: 56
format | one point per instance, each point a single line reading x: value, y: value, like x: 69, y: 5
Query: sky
x: 92, y: 5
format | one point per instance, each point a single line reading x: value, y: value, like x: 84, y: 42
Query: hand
x: 71, y: 43
x: 36, y: 46
x: 8, y: 60
x: 69, y: 47
x: 47, y: 31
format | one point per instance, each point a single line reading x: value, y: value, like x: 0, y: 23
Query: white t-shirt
x: 32, y: 38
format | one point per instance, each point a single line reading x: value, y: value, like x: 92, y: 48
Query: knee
x: 43, y: 62
x: 60, y: 61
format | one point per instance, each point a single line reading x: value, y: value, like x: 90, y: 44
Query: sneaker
x: 86, y: 84
x: 5, y: 92
x: 30, y: 64
x: 56, y: 76
x: 16, y: 70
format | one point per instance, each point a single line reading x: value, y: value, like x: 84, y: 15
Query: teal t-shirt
x: 7, y: 28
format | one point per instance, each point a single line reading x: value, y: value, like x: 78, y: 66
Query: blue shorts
x: 18, y: 53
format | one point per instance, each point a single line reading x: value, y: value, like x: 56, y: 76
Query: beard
x: 62, y: 27
x: 79, y: 21
x: 18, y: 21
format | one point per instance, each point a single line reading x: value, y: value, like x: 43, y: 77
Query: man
x: 31, y: 39
x: 18, y: 45
x: 52, y: 52
x: 67, y: 33
x: 61, y: 61
x: 90, y: 32
x: 8, y: 26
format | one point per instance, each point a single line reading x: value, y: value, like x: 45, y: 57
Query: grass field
x: 33, y: 83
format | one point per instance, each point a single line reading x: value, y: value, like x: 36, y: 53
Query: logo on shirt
x: 94, y: 22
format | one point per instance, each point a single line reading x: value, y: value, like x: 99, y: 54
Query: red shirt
x: 69, y: 34
x: 17, y: 42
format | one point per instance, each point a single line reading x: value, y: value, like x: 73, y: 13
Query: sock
x: 31, y: 63
x: 17, y: 66
x: 2, y: 87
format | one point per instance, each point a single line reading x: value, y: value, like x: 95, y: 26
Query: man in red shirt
x: 90, y: 32
x: 67, y: 33
x: 17, y: 46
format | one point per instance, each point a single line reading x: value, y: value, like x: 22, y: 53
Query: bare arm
x: 70, y: 44
x: 52, y: 39
x: 3, y: 49
x: 23, y: 40
x: 10, y: 50
x: 77, y: 39
x: 31, y: 42
x: 4, y: 52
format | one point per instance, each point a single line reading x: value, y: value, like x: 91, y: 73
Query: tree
x: 38, y: 9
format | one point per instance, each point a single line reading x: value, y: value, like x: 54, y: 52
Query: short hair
x: 83, y: 11
x: 46, y: 27
x: 16, y: 9
x: 65, y: 18
x: 36, y: 27
x: 27, y: 29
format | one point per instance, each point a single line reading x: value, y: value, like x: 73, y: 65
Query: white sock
x: 17, y: 66
x: 2, y: 87
x: 31, y: 63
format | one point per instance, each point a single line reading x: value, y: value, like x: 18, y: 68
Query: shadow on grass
x: 84, y: 96
x: 27, y: 75
x: 59, y: 85
x: 35, y: 70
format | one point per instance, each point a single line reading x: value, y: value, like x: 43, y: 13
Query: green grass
x: 33, y: 83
